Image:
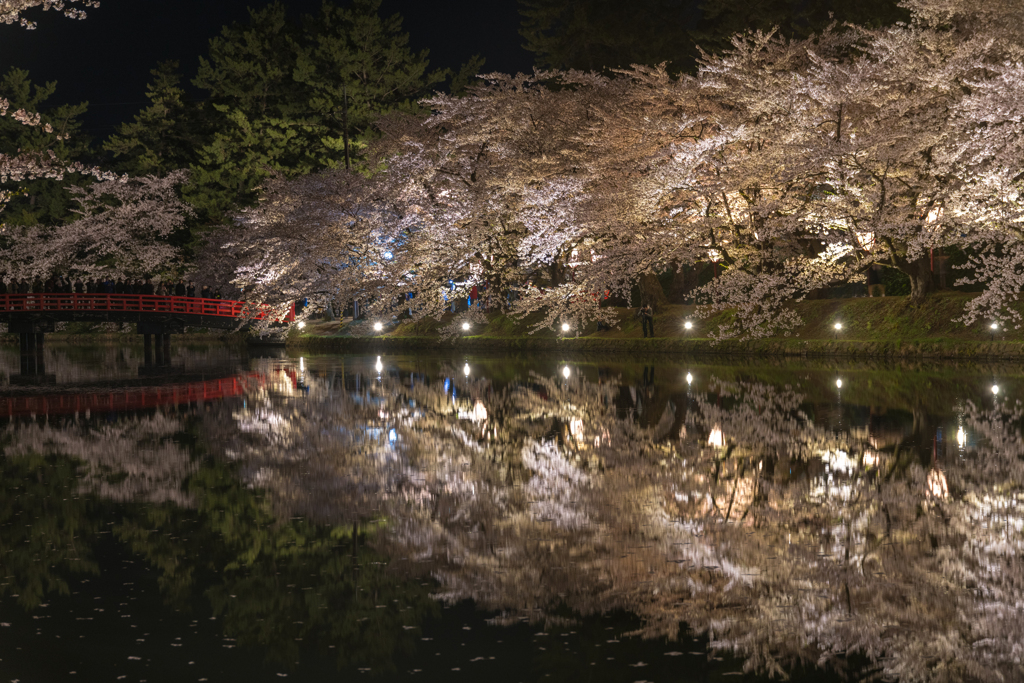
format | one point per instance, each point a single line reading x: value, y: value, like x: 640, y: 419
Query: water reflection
x: 792, y: 514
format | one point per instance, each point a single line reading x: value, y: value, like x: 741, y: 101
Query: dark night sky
x: 106, y: 58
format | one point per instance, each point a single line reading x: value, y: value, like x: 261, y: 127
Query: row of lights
x: 688, y: 325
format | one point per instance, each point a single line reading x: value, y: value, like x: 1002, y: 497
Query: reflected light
x: 302, y: 325
x: 716, y: 438
x: 961, y: 437
x: 465, y: 326
x: 937, y: 485
x: 565, y: 372
x: 379, y: 365
x: 302, y: 364
x: 689, y: 378
x: 465, y: 369
x: 839, y: 384
x: 870, y: 458
x: 565, y: 327
x: 995, y: 388
x: 377, y: 327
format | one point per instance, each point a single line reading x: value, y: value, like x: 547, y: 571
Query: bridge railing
x: 146, y: 303
x: 127, y: 399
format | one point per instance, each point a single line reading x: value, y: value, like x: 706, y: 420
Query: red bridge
x: 123, y: 400
x: 216, y: 312
x: 35, y: 314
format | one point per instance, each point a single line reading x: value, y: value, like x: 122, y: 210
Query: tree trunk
x: 651, y: 291
x: 920, y: 273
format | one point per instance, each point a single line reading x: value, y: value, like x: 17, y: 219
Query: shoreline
x: 882, y: 328
x: 791, y: 348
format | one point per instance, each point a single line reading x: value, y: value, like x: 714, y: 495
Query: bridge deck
x: 132, y: 308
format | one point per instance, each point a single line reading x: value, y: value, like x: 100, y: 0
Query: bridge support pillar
x: 147, y: 348
x: 31, y: 347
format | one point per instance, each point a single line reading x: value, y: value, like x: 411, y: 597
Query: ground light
x: 687, y: 325
x: 565, y: 327
x: 995, y: 328
x: 302, y: 325
x: 838, y: 327
x: 377, y: 327
x: 465, y: 327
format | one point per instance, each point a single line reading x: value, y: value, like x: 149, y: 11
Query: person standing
x: 190, y: 291
x: 647, y: 320
x: 179, y: 288
x: 204, y: 293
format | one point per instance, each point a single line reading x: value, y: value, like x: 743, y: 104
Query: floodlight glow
x: 839, y: 384
x: 377, y: 327
x: 838, y: 326
x: 565, y: 372
x: 565, y: 327
x: 302, y: 324
x: 465, y: 369
x: 688, y: 325
x: 465, y: 326
x: 689, y: 378
x: 994, y: 326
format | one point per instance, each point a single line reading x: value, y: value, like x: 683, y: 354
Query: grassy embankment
x: 880, y: 327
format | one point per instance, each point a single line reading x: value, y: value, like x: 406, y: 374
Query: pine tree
x: 593, y: 35
x: 43, y: 200
x: 293, y: 97
x: 163, y: 137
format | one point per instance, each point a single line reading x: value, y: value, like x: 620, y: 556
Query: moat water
x: 242, y: 517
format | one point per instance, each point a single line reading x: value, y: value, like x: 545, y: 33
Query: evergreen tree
x: 722, y: 19
x: 357, y: 67
x: 42, y: 201
x: 295, y: 97
x: 595, y: 35
x: 163, y: 137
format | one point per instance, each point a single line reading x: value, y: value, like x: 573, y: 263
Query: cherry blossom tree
x: 12, y: 11
x: 123, y: 229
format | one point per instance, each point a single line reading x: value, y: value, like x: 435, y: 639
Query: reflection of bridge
x: 122, y: 399
x: 32, y: 315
